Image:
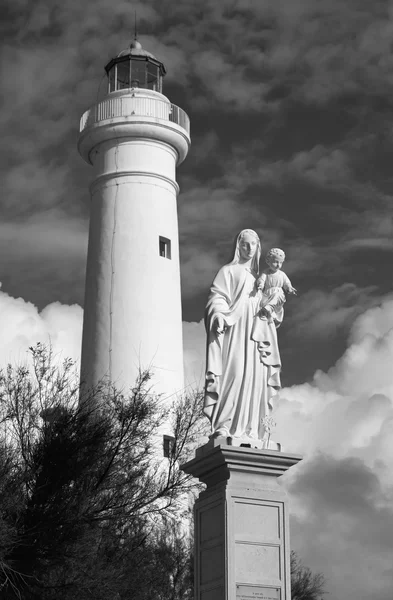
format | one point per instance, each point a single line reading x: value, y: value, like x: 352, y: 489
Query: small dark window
x: 165, y: 247
x: 169, y: 445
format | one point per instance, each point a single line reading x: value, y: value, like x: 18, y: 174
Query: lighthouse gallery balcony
x: 128, y: 106
x: 133, y: 109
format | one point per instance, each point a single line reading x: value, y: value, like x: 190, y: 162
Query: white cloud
x: 342, y: 422
x: 345, y: 408
x: 60, y: 325
x: 342, y: 492
x: 22, y: 326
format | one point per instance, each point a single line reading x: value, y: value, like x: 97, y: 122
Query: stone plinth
x: 241, y: 524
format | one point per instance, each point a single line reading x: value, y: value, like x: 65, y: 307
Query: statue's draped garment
x: 273, y: 294
x: 242, y: 374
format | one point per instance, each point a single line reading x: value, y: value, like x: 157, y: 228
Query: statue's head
x: 274, y: 258
x: 248, y: 247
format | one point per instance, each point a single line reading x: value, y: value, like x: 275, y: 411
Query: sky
x: 290, y: 107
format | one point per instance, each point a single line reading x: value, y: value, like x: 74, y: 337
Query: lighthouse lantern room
x: 135, y: 67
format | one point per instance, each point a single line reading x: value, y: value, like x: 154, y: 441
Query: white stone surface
x: 242, y: 374
x: 241, y: 524
x: 132, y: 301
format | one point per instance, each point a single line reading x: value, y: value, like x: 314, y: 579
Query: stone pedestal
x: 241, y: 524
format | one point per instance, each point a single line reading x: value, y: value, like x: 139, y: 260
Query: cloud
x: 356, y: 388
x: 377, y: 320
x: 173, y: 56
x: 60, y: 326
x: 319, y: 315
x: 210, y: 218
x: 52, y: 247
x: 289, y: 106
x: 42, y: 234
x: 227, y: 80
x: 322, y: 166
x: 338, y: 49
x: 242, y: 70
x: 342, y: 526
x: 22, y: 325
x: 342, y: 492
x: 342, y: 422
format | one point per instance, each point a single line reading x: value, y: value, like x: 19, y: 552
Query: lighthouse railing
x: 129, y: 106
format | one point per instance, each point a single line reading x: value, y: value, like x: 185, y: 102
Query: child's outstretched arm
x: 288, y: 287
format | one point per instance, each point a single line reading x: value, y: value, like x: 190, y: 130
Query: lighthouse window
x: 138, y: 73
x: 112, y: 79
x: 123, y: 75
x: 165, y: 247
x: 153, y: 77
x: 169, y: 445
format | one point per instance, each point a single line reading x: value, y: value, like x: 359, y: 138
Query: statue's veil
x: 236, y: 251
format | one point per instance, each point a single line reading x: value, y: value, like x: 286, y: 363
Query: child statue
x: 272, y: 284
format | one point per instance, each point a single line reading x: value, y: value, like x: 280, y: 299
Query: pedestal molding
x: 229, y: 459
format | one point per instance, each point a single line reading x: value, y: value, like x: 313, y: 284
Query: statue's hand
x: 219, y: 325
x: 266, y: 311
x: 293, y: 291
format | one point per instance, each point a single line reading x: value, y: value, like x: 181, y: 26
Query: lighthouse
x: 134, y: 138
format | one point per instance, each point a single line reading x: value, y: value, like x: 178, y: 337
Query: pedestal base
x: 241, y: 524
x: 244, y: 442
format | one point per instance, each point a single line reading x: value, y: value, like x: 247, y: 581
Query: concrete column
x: 241, y: 524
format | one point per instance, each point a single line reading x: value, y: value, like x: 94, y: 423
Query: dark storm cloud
x: 44, y: 248
x: 345, y: 486
x: 349, y: 511
x: 289, y: 105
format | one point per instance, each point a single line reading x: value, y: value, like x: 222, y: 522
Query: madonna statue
x: 242, y: 374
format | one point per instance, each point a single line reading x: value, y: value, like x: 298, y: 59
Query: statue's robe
x: 242, y: 375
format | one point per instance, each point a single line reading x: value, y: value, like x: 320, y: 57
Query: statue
x: 242, y: 360
x: 272, y: 284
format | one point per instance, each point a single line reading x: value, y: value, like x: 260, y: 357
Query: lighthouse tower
x: 134, y: 138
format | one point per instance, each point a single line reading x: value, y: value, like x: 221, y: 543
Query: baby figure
x: 272, y: 284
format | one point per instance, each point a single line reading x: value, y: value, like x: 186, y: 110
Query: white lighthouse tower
x: 134, y: 138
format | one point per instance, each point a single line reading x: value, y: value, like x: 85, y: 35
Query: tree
x: 305, y: 585
x: 166, y: 566
x: 84, y: 494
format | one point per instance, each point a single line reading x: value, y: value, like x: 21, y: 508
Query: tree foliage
x: 305, y: 585
x: 84, y: 493
x: 89, y: 508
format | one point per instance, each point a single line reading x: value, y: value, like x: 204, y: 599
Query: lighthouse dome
x: 135, y: 49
